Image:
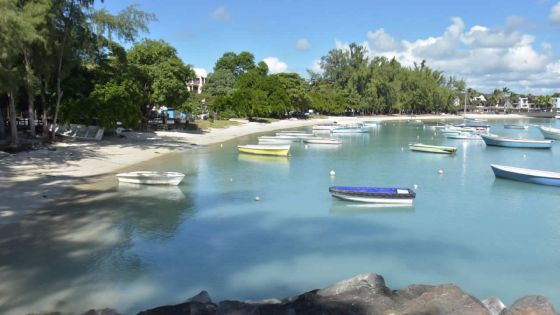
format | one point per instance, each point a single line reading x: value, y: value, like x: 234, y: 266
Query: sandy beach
x: 30, y: 180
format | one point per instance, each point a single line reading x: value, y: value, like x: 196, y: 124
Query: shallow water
x: 134, y: 247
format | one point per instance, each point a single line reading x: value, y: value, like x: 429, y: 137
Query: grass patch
x: 207, y: 124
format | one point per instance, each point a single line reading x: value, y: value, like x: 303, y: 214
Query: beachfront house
x: 523, y: 103
x: 198, y: 82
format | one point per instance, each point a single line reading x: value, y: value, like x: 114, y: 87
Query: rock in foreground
x: 365, y: 294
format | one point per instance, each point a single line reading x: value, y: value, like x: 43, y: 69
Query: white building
x: 523, y: 103
x: 199, y: 81
x: 479, y: 98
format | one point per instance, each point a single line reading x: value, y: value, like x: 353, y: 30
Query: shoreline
x: 43, y: 175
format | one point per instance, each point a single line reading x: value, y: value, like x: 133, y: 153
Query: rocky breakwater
x: 366, y: 294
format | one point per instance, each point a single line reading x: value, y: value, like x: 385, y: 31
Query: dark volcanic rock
x: 364, y: 294
x: 530, y: 305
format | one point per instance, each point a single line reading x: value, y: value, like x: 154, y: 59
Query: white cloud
x: 554, y: 16
x: 381, y: 41
x: 200, y: 72
x: 275, y: 65
x: 316, y: 66
x: 487, y: 57
x: 220, y: 14
x: 303, y: 44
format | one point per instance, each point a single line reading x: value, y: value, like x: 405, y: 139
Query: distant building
x: 523, y: 103
x: 479, y: 98
x: 198, y: 82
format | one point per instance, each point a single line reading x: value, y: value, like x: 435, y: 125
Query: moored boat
x: 516, y: 127
x: 323, y: 127
x: 295, y: 134
x: 350, y: 129
x: 265, y: 149
x: 385, y: 195
x: 286, y: 137
x: 151, y: 178
x: 464, y: 136
x: 550, y: 133
x: 322, y: 141
x: 527, y: 175
x: 516, y: 143
x: 272, y: 140
x: 432, y: 148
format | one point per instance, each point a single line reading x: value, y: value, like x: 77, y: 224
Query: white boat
x: 322, y: 141
x: 516, y: 127
x: 557, y: 116
x: 274, y: 141
x: 327, y: 128
x: 550, y: 133
x: 295, y: 133
x: 151, y: 178
x: 357, y: 128
x: 383, y: 195
x: 287, y: 137
x: 464, y: 136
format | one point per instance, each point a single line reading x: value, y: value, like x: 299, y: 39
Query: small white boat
x: 297, y: 133
x: 557, y: 116
x: 322, y: 141
x: 384, y: 195
x: 327, y: 128
x: 274, y: 141
x: 151, y: 178
x: 550, y: 133
x: 357, y: 128
x: 464, y: 136
x: 432, y: 148
x: 516, y: 127
x: 286, y: 137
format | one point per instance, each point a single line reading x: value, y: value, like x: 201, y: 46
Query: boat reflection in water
x: 346, y: 208
x: 263, y: 159
x: 171, y: 193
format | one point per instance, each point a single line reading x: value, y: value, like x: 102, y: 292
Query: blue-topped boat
x: 373, y: 194
x: 516, y: 143
x: 527, y: 175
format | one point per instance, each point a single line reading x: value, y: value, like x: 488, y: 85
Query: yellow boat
x: 265, y: 149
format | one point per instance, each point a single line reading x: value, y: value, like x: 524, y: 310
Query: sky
x: 490, y: 44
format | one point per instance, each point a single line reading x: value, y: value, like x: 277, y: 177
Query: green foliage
x: 165, y: 75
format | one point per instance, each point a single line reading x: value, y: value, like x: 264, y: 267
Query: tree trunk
x: 29, y: 90
x: 2, y: 125
x: 44, y: 107
x: 59, y: 91
x: 13, y: 119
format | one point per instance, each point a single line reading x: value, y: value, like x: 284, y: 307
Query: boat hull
x: 526, y: 175
x: 432, y: 149
x: 550, y: 133
x: 374, y: 194
x: 265, y: 150
x: 517, y: 143
x: 350, y: 130
x: 151, y: 178
x: 322, y: 141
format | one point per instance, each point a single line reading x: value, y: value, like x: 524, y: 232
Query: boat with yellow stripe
x: 265, y: 149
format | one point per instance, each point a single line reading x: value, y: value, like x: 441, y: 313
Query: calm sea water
x: 135, y: 247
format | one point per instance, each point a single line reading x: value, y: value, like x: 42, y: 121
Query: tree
x: 17, y: 33
x: 220, y: 83
x: 165, y: 75
x: 234, y: 63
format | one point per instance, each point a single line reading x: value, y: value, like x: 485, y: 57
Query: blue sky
x: 491, y: 44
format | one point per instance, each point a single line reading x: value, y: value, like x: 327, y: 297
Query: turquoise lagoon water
x: 134, y: 247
